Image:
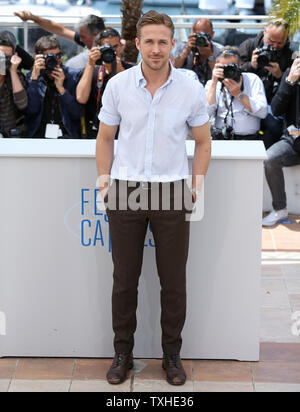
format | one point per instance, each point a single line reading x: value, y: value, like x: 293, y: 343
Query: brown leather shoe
x: 118, y: 371
x: 174, y: 369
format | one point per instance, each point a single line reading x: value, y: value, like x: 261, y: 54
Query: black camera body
x: 51, y: 62
x: 232, y: 71
x: 7, y: 62
x: 202, y: 39
x: 226, y: 133
x: 108, y: 53
x: 266, y: 54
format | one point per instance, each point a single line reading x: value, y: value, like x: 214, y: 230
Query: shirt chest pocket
x: 172, y: 119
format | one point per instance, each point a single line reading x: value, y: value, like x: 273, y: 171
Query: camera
x: 51, y: 62
x: 108, y: 53
x: 232, y: 71
x: 226, y: 133
x: 7, y: 62
x: 202, y: 39
x: 266, y: 54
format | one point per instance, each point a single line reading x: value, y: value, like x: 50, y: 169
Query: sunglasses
x: 109, y: 33
x: 279, y: 23
x: 228, y: 52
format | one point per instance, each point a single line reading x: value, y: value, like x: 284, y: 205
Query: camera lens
x: 50, y: 62
x: 108, y: 53
x: 263, y: 59
x: 202, y: 39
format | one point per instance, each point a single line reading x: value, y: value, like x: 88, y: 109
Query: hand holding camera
x: 15, y: 61
x: 94, y: 56
x: 59, y: 77
x: 217, y: 73
x: 39, y: 64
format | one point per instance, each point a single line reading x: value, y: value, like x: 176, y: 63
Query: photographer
x: 86, y: 31
x: 286, y: 152
x: 104, y: 62
x: 237, y: 100
x: 199, y: 53
x: 52, y: 107
x: 13, y: 97
x: 268, y: 55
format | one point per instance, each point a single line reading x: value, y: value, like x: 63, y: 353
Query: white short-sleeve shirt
x: 151, y: 142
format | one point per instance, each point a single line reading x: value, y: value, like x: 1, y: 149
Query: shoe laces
x: 173, y: 359
x: 118, y: 359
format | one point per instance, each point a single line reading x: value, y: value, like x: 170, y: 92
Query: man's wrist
x: 291, y: 80
x: 61, y: 90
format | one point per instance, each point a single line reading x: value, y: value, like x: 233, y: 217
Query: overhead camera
x: 202, y: 39
x: 266, y: 54
x: 232, y: 71
x: 108, y: 53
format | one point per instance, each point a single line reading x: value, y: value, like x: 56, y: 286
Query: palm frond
x: 289, y: 10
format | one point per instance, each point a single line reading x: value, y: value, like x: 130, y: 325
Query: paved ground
x: 278, y: 369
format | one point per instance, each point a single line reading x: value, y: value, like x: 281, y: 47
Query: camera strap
x: 228, y: 107
x: 100, y: 83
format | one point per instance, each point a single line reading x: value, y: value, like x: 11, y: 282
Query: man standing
x: 151, y: 156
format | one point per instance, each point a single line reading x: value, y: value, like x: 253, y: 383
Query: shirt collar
x: 140, y: 79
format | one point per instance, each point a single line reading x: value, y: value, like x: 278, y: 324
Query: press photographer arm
x: 235, y: 89
x: 282, y: 99
x: 83, y: 90
x: 20, y: 96
x: 47, y: 25
x: 217, y: 74
x: 179, y: 61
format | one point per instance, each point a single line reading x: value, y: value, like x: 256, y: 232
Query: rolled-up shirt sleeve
x: 109, y: 114
x: 199, y: 114
x: 257, y: 98
x: 212, y: 109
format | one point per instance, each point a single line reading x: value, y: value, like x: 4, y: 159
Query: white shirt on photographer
x: 245, y: 122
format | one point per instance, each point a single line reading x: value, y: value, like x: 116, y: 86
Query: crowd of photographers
x: 252, y: 91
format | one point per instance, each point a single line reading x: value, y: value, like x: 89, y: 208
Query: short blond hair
x: 153, y: 17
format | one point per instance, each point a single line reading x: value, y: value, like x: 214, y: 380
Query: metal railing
x: 180, y: 21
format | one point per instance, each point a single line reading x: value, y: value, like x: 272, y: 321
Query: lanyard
x: 100, y: 82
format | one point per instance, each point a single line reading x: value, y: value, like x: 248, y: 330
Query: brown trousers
x: 171, y: 236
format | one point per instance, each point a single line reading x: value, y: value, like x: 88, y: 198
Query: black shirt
x: 77, y: 39
x: 285, y: 101
x: 27, y: 59
x: 51, y: 111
